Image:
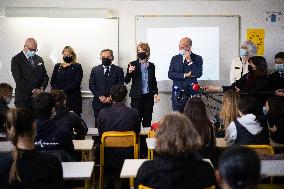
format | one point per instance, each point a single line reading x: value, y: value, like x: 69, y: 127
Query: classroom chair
x: 263, y: 150
x: 113, y: 139
x: 143, y: 187
x: 151, y: 134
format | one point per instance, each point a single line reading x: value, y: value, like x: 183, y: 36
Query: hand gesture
x: 189, y: 74
x: 279, y: 92
x: 108, y: 100
x: 213, y: 89
x: 187, y: 56
x: 36, y: 92
x: 156, y: 98
x: 102, y: 99
x: 131, y: 68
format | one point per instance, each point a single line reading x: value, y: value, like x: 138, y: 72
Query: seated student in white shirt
x: 251, y: 127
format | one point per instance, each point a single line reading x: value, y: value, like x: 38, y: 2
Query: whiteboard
x: 215, y: 38
x: 88, y: 36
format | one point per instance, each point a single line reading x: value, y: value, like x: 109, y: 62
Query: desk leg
x: 131, y: 182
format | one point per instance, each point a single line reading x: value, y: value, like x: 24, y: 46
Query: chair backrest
x: 143, y: 187
x: 151, y: 134
x: 121, y: 139
x: 262, y: 149
x: 112, y: 139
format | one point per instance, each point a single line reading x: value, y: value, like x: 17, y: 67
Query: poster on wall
x: 273, y: 16
x: 257, y: 37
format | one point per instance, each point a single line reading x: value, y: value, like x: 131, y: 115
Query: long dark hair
x: 196, y: 112
x: 261, y: 66
x: 21, y: 120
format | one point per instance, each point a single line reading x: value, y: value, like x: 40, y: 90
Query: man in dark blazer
x: 184, y: 70
x: 102, y: 78
x: 29, y: 73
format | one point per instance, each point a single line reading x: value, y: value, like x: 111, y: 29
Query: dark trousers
x: 144, y: 106
x: 178, y: 105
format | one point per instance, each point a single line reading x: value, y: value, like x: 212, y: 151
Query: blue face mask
x: 243, y: 52
x: 265, y: 110
x: 30, y: 53
x: 279, y: 67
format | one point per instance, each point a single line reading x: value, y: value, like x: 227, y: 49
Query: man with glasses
x: 29, y: 73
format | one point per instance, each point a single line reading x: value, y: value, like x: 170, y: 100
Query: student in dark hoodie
x: 5, y: 98
x: 176, y: 164
x: 51, y: 137
x: 25, y: 167
x: 67, y: 118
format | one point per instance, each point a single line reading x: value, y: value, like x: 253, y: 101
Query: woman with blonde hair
x: 229, y: 110
x: 176, y: 163
x: 25, y: 167
x: 67, y: 76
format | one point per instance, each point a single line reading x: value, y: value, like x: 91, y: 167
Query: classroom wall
x: 251, y: 12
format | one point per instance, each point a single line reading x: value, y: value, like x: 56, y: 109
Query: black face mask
x: 106, y: 61
x: 68, y: 59
x: 141, y: 55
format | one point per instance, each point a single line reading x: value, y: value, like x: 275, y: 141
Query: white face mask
x: 279, y: 67
x: 265, y: 110
x: 8, y: 100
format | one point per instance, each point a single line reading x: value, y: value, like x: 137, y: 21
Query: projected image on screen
x: 164, y: 44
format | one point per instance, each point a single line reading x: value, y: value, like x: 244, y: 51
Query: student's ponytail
x: 20, y: 122
x: 14, y: 174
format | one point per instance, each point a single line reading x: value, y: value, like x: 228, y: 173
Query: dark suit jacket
x: 118, y: 117
x: 178, y: 68
x: 69, y: 80
x: 136, y: 77
x: 27, y: 77
x: 276, y: 81
x: 100, y: 85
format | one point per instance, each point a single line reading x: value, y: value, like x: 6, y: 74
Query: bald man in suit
x: 29, y: 73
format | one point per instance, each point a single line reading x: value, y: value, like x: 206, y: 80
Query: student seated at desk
x: 251, y: 127
x: 239, y: 168
x: 275, y: 118
x: 25, y: 167
x: 176, y: 163
x: 50, y: 136
x: 65, y: 118
x: 117, y: 117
